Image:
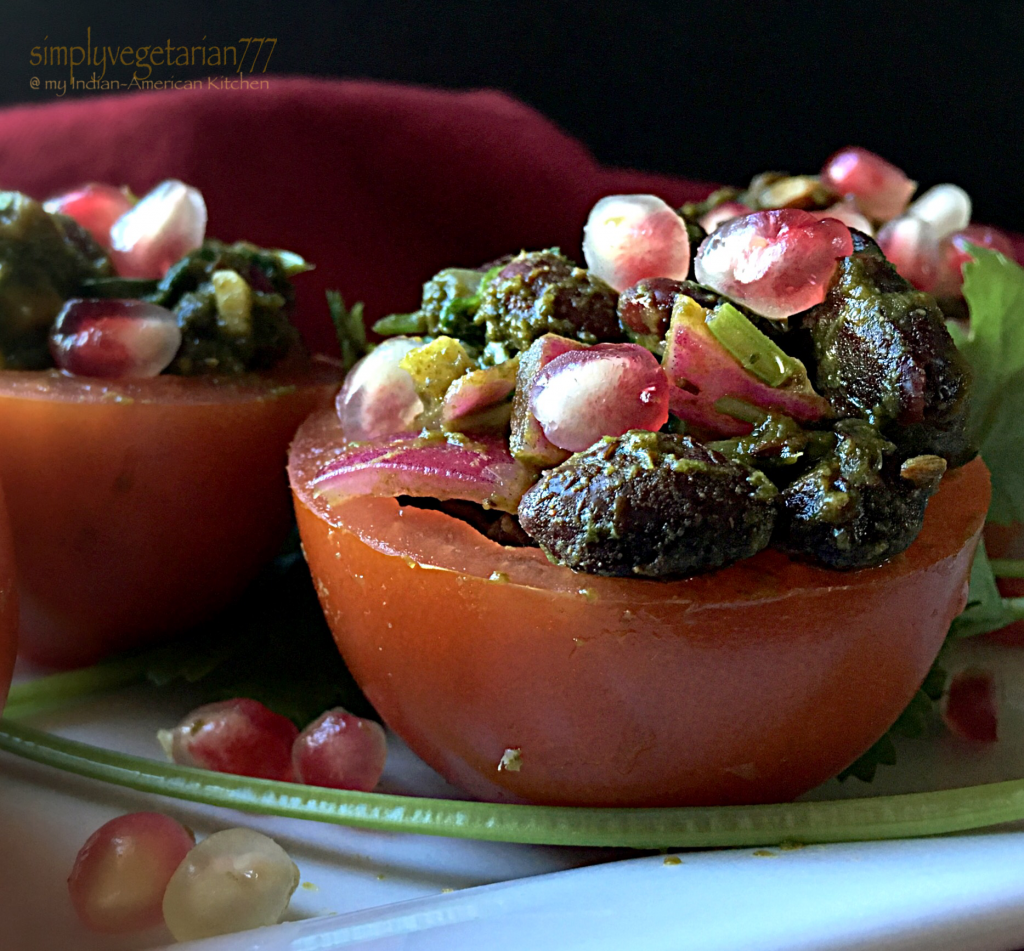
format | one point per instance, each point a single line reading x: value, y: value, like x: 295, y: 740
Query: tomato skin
x: 8, y: 604
x: 751, y: 684
x: 139, y: 508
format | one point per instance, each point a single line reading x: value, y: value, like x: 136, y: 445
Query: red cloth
x: 379, y: 185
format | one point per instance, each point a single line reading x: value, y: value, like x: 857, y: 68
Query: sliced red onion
x: 724, y: 212
x: 777, y: 263
x: 94, y: 206
x: 880, y: 188
x: 477, y: 391
x: 478, y: 469
x: 912, y: 247
x: 379, y: 397
x: 955, y: 252
x: 947, y: 208
x: 630, y: 237
x: 162, y: 228
x: 527, y: 439
x: 114, y: 339
x: 971, y: 710
x: 606, y: 390
x: 849, y: 214
x: 702, y: 372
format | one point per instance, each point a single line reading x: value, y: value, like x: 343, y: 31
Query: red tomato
x: 8, y: 605
x: 140, y: 507
x: 520, y: 680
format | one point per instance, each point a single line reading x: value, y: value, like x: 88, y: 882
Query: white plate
x: 963, y: 892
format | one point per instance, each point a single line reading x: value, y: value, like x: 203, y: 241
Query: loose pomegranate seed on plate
x: 118, y: 880
x: 970, y: 709
x: 114, y: 339
x: 94, y: 206
x: 239, y: 736
x: 880, y: 188
x: 162, y: 228
x: 232, y: 881
x: 604, y: 390
x: 340, y: 751
x: 630, y: 237
x: 777, y: 263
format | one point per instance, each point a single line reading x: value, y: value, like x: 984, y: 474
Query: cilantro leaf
x: 994, y: 347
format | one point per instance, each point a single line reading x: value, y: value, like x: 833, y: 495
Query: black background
x: 706, y: 90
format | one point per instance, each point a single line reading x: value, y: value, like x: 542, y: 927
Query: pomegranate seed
x: 232, y: 881
x: 239, y: 736
x: 970, y: 710
x: 954, y: 253
x: 340, y: 751
x: 118, y: 880
x: 777, y: 263
x: 849, y: 214
x: 162, y: 228
x: 605, y: 390
x: 912, y: 247
x: 94, y: 206
x: 947, y: 208
x: 880, y: 188
x: 114, y: 339
x: 630, y: 237
x: 379, y: 396
x: 723, y: 213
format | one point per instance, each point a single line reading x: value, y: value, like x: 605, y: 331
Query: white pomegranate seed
x: 849, y: 214
x: 912, y: 247
x: 955, y: 252
x: 94, y: 206
x: 232, y: 881
x: 114, y: 339
x: 118, y: 880
x: 340, y: 751
x: 777, y: 263
x: 630, y: 237
x: 239, y: 736
x: 379, y: 397
x: 880, y: 188
x: 605, y: 390
x: 162, y: 228
x: 723, y: 213
x: 947, y: 208
x: 970, y: 709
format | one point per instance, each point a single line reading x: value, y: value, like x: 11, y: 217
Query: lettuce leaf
x: 994, y: 347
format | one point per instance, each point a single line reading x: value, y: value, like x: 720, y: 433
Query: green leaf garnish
x: 408, y: 325
x: 349, y: 326
x: 994, y: 347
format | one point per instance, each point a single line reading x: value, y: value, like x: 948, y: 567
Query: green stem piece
x: 1007, y: 567
x: 883, y: 817
x: 755, y: 352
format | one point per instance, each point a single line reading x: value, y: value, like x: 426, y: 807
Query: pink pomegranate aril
x: 882, y: 191
x: 630, y: 237
x: 114, y: 339
x: 162, y: 228
x: 955, y: 251
x: 94, y: 206
x: 239, y: 736
x: 970, y: 709
x: 379, y: 397
x: 777, y: 263
x: 912, y: 248
x: 605, y: 390
x: 340, y: 751
x: 119, y: 877
x: 849, y: 214
x: 719, y: 215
